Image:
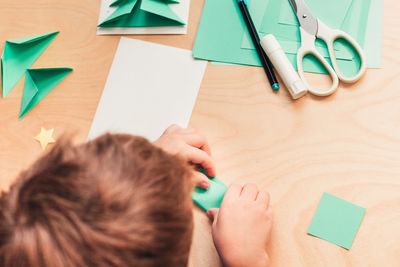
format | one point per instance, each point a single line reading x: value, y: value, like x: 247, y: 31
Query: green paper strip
x: 212, y: 197
x: 19, y: 55
x: 38, y: 83
x: 336, y: 220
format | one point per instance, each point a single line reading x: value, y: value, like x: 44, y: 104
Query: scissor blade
x: 306, y: 19
x: 294, y: 5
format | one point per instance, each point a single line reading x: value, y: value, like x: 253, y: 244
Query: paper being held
x: 149, y: 87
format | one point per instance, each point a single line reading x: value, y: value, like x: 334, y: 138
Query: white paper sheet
x: 181, y: 9
x: 149, y: 87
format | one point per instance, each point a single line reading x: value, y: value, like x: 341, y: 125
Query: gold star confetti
x: 45, y: 137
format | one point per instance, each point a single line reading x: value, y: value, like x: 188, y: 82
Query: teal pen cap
x: 275, y: 86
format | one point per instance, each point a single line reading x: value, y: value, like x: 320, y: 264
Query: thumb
x: 212, y: 214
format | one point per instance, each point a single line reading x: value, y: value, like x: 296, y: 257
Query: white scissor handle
x: 329, y: 36
x: 308, y: 48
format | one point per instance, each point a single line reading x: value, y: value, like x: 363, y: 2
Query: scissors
x: 311, y: 29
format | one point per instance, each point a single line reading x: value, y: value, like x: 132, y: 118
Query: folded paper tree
x: 19, y: 55
x: 142, y: 13
x: 212, y: 197
x: 38, y: 83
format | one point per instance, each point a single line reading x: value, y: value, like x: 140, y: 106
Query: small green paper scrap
x: 142, y: 13
x: 336, y: 220
x: 38, y: 83
x: 19, y: 55
x: 212, y: 197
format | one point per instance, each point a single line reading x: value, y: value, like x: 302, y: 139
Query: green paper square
x: 212, y: 197
x: 336, y: 220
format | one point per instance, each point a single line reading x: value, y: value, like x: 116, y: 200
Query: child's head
x: 115, y: 201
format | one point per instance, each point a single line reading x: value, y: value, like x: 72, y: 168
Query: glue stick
x: 291, y: 79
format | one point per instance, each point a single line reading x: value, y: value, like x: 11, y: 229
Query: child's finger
x: 270, y: 213
x: 171, y: 129
x: 189, y: 130
x: 212, y: 214
x: 197, y: 140
x: 198, y: 156
x: 249, y: 192
x: 200, y: 180
x: 263, y: 198
x: 233, y: 191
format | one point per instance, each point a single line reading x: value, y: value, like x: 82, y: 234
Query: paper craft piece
x: 212, y: 197
x: 19, y: 55
x: 142, y: 13
x: 143, y: 17
x: 38, y: 83
x: 149, y: 87
x: 45, y: 137
x: 336, y: 220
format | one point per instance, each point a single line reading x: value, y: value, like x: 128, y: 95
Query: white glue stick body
x: 282, y: 64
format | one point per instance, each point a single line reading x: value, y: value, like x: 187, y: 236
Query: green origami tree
x: 142, y: 13
x: 38, y: 83
x: 19, y: 55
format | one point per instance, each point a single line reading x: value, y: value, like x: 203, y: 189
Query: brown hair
x: 115, y: 201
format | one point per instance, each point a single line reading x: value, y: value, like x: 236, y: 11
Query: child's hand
x: 191, y: 146
x: 241, y: 227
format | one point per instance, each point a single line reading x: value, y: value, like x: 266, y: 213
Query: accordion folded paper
x: 142, y: 13
x: 19, y: 55
x: 212, y: 197
x: 38, y: 83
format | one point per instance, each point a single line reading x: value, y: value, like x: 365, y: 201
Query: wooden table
x: 347, y: 144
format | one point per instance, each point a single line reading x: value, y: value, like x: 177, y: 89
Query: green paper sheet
x: 219, y: 37
x: 336, y: 220
x: 220, y: 34
x: 142, y: 13
x: 38, y: 83
x: 257, y: 9
x: 373, y: 35
x: 354, y: 23
x: 19, y: 55
x: 212, y: 197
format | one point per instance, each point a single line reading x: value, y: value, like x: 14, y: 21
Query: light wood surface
x: 347, y: 144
